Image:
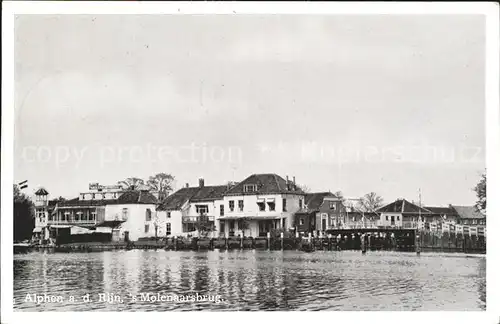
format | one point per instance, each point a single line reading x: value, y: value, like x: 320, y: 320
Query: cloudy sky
x: 388, y: 104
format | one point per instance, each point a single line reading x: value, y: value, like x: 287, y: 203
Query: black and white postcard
x: 250, y: 157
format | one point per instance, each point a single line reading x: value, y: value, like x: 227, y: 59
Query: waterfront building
x: 441, y: 215
x: 43, y: 209
x: 320, y: 211
x: 260, y: 204
x: 125, y: 215
x: 190, y: 208
x: 469, y: 215
x: 402, y: 214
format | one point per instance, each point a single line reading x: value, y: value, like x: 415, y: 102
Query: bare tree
x: 161, y: 183
x: 132, y: 183
x: 370, y: 202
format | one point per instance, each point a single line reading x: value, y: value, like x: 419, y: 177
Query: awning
x: 270, y: 200
x: 255, y: 217
x: 103, y: 230
x: 79, y: 230
x: 260, y: 200
x: 37, y: 230
x: 60, y: 226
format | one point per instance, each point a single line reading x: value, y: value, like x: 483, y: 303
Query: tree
x: 24, y: 212
x: 203, y: 225
x: 340, y: 195
x: 161, y: 183
x: 370, y: 202
x: 480, y: 190
x: 132, y: 183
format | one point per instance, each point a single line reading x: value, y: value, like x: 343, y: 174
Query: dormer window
x: 333, y: 205
x: 250, y: 188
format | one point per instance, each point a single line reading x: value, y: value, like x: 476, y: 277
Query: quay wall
x: 336, y: 240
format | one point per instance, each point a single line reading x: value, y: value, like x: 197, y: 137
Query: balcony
x: 73, y: 222
x: 196, y: 219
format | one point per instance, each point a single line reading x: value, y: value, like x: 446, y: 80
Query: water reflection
x: 254, y: 280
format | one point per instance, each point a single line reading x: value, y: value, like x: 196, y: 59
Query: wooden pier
x: 364, y: 240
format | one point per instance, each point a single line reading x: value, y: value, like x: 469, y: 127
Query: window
x: 222, y: 210
x: 262, y: 206
x: 169, y: 215
x: 272, y: 206
x: 148, y: 215
x: 300, y: 203
x: 250, y: 188
x: 284, y: 222
x: 202, y: 209
x: 284, y: 204
x: 240, y: 205
x: 93, y: 216
x: 231, y: 205
x: 146, y: 228
x: 125, y: 214
x: 386, y: 218
x: 169, y: 228
x: 77, y: 216
x: 301, y: 221
x: 333, y: 205
x: 398, y: 217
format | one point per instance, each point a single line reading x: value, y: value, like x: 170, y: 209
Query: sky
x: 359, y: 103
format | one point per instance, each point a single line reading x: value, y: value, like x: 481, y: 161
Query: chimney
x: 287, y: 183
x: 294, y: 184
x: 187, y: 185
x: 201, y: 182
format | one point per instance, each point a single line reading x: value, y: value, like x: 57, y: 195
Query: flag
x: 23, y: 184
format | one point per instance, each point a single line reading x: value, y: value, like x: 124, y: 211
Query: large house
x: 257, y: 205
x: 184, y: 210
x: 126, y: 215
x: 260, y: 204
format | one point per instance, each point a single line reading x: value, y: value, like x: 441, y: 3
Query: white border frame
x: 489, y: 10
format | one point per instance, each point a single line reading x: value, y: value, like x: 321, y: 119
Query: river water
x: 248, y: 280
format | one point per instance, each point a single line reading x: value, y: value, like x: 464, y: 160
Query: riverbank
x: 339, y: 240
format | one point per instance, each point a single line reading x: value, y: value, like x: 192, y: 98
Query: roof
x: 128, y: 197
x: 267, y: 183
x: 314, y: 200
x: 41, y: 192
x: 209, y: 193
x: 441, y: 210
x: 194, y: 194
x: 468, y: 212
x: 403, y: 206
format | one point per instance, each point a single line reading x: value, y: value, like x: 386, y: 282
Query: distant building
x: 320, y: 211
x: 441, y: 214
x: 402, y: 213
x: 469, y: 215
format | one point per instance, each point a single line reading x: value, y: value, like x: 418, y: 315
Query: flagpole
x: 419, y: 205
